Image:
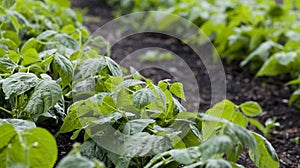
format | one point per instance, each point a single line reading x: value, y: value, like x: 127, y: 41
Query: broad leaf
x: 30, y: 56
x: 19, y: 125
x: 33, y: 144
x: 186, y: 156
x: 251, y: 108
x: 63, y: 67
x: 74, y: 161
x: 46, y: 94
x: 68, y: 42
x: 19, y: 83
x: 143, y: 97
x: 216, y: 146
x: 136, y: 126
x: 177, y: 89
x: 265, y: 155
x: 8, y: 132
x: 7, y: 65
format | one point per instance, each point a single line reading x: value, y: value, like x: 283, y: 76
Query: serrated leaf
x: 177, y: 89
x: 143, y: 97
x: 46, y: 94
x: 251, y: 108
x: 264, y: 156
x: 63, y: 67
x: 19, y: 83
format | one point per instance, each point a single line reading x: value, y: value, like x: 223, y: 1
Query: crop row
x: 261, y: 33
x: 50, y: 74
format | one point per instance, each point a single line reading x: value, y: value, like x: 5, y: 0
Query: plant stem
x: 9, y: 112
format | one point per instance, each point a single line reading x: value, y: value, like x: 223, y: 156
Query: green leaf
x: 31, y: 43
x: 68, y: 29
x: 112, y: 82
x: 272, y: 68
x: 222, y: 110
x: 284, y: 58
x: 128, y: 83
x: 295, y: 96
x: 7, y: 65
x: 88, y: 68
x: 212, y: 163
x: 239, y: 119
x: 68, y: 42
x: 90, y: 149
x: 19, y: 83
x: 251, y: 109
x: 63, y: 67
x: 108, y: 105
x: 19, y: 125
x: 8, y: 3
x: 177, y: 89
x: 39, y: 143
x: 256, y: 124
x: 263, y: 52
x: 60, y: 3
x: 143, y: 143
x: 136, y: 126
x: 8, y: 132
x: 113, y: 67
x: 30, y: 56
x: 215, y: 146
x: 13, y: 36
x: 77, y: 115
x: 75, y: 162
x: 14, y: 56
x: 143, y: 97
x: 186, y: 156
x: 46, y: 94
x: 71, y: 122
x: 46, y: 34
x: 264, y: 156
x: 242, y: 134
x: 294, y: 82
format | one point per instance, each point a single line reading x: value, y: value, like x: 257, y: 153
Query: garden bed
x: 241, y: 85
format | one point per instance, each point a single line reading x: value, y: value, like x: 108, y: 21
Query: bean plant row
x: 49, y: 74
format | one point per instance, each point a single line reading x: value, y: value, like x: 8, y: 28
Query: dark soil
x: 242, y: 86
